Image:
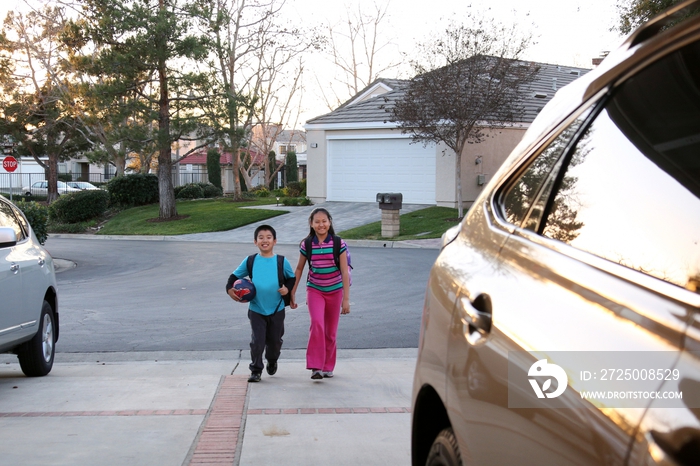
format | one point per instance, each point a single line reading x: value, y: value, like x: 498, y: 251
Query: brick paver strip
x: 218, y: 438
x: 375, y: 410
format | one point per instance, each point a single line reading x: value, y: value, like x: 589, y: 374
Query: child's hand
x: 233, y: 296
x: 345, y: 308
x: 293, y: 303
x: 283, y: 291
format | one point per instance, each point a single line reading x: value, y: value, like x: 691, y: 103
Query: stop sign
x: 9, y: 163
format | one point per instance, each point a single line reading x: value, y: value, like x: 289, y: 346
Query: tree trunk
x: 165, y: 162
x: 458, y: 179
x: 52, y: 178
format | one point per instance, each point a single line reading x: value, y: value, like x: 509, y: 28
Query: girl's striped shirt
x: 324, y: 275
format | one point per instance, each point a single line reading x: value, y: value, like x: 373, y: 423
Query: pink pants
x: 324, y: 310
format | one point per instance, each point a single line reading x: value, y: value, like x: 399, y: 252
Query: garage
x: 358, y: 169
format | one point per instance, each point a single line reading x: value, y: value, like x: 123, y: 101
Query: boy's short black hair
x: 264, y: 228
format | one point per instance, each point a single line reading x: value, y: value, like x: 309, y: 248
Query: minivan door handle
x: 14, y: 268
x: 477, y: 317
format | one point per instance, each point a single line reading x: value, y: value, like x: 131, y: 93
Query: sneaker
x: 317, y: 375
x: 271, y: 367
x: 254, y: 377
x: 327, y: 374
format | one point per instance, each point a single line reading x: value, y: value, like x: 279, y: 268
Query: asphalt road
x: 133, y: 296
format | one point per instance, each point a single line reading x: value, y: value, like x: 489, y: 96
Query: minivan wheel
x: 36, y: 356
x: 444, y: 451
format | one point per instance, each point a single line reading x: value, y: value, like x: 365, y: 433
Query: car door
x: 11, y: 262
x: 595, y: 280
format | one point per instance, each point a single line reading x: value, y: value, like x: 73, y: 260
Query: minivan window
x: 524, y: 201
x: 637, y: 169
x: 8, y: 219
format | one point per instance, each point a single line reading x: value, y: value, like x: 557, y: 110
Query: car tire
x: 36, y: 356
x: 445, y: 451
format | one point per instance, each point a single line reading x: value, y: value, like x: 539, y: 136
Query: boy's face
x: 265, y: 242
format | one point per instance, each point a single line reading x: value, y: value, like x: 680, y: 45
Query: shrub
x: 133, y: 190
x: 260, y: 191
x: 296, y: 201
x: 293, y: 189
x: 80, y: 206
x: 37, y: 216
x: 65, y: 177
x: 190, y: 191
x: 278, y: 192
x: 214, y: 167
x: 211, y: 191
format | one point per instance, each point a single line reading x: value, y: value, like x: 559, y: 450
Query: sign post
x: 9, y: 163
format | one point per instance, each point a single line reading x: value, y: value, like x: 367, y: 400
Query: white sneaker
x: 327, y: 374
x: 316, y: 375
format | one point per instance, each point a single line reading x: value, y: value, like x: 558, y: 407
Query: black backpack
x: 288, y: 282
x: 336, y: 253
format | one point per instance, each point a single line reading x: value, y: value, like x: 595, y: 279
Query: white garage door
x: 358, y: 169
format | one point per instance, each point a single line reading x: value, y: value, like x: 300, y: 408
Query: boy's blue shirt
x: 267, y: 299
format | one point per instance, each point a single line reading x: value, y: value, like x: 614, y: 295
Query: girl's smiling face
x: 320, y: 223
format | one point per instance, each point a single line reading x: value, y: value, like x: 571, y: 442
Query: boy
x: 266, y: 310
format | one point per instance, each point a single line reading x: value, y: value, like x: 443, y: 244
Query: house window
x: 283, y: 150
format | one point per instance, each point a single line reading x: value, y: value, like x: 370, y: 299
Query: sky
x: 566, y: 32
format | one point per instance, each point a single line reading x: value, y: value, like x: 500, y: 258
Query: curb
x: 435, y: 243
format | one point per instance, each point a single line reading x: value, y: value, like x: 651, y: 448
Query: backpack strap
x: 308, y: 247
x: 249, y: 265
x: 280, y: 270
x: 336, y: 250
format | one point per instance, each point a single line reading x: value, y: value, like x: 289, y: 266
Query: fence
x: 194, y: 174
x: 19, y: 183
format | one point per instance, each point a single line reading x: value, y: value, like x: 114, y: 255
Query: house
x: 193, y: 169
x: 355, y: 152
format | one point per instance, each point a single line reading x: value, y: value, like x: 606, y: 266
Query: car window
x: 8, y: 219
x: 526, y: 197
x: 631, y: 189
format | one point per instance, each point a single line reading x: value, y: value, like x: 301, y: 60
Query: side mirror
x: 8, y: 237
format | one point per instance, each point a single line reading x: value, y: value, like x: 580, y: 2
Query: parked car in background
x: 41, y: 188
x: 561, y: 322
x: 28, y: 298
x: 81, y: 185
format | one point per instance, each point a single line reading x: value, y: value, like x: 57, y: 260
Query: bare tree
x: 36, y: 112
x: 250, y: 56
x: 468, y: 79
x: 359, y: 52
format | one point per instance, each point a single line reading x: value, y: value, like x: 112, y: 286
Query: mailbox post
x: 390, y: 205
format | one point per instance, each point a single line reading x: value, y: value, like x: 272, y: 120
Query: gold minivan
x: 561, y: 322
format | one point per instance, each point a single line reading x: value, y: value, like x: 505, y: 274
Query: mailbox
x: 390, y: 201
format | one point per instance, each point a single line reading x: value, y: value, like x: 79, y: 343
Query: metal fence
x: 195, y: 174
x: 19, y: 183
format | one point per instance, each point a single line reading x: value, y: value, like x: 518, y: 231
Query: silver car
x: 561, y: 322
x: 41, y: 188
x: 82, y: 185
x: 28, y: 298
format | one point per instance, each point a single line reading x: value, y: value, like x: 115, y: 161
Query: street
x: 140, y: 296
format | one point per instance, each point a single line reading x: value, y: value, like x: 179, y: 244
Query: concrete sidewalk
x: 185, y: 408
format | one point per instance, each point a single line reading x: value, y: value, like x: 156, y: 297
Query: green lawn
x: 202, y: 216
x: 431, y: 222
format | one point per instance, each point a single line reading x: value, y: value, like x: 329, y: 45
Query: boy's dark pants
x: 267, y: 335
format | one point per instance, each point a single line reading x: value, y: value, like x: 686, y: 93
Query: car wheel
x: 36, y: 355
x: 444, y: 451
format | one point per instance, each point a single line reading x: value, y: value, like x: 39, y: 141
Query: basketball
x: 244, y: 289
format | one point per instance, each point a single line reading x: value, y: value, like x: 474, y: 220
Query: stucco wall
x: 316, y: 165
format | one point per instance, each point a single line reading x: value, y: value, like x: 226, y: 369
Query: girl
x: 327, y: 292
